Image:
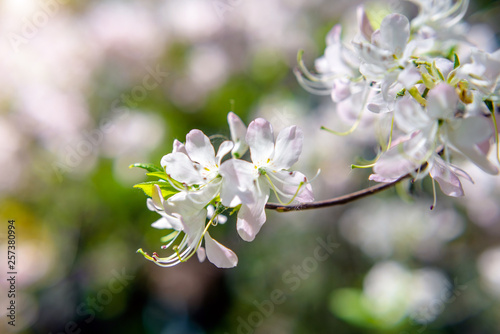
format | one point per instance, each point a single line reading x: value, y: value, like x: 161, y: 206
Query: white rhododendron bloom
x: 196, y: 161
x: 249, y: 183
x: 439, y: 16
x: 439, y: 106
x: 196, y: 184
x: 192, y: 164
x: 483, y: 72
x: 432, y: 128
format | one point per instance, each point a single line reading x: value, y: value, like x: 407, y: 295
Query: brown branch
x: 337, y: 200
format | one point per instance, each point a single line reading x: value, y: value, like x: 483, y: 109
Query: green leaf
x: 166, y: 188
x: 148, y: 167
x: 161, y: 175
x: 164, y: 176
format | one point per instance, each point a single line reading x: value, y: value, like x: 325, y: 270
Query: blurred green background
x: 87, y: 88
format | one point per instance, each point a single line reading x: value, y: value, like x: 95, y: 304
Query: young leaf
x: 166, y: 188
x: 148, y: 167
x: 161, y: 175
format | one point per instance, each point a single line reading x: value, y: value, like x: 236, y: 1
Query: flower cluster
x: 410, y: 72
x: 195, y: 183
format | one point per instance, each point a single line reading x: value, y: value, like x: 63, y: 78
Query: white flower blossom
x: 192, y: 164
x: 483, y: 73
x: 196, y: 162
x: 249, y: 184
x: 200, y: 180
x: 432, y: 128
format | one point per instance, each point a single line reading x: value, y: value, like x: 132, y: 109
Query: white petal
x: 161, y: 223
x: 179, y: 147
x: 168, y: 222
x: 375, y: 56
x: 199, y: 148
x: 486, y: 66
x: 288, y: 147
x: 333, y: 36
x: 364, y: 25
x: 189, y: 203
x: 376, y: 39
x: 237, y: 180
x: 201, y: 254
x: 349, y: 110
x: 402, y: 158
x: 260, y: 138
x: 378, y: 105
x: 445, y: 66
x: 238, y: 132
x: 237, y: 128
x: 207, y: 193
x: 288, y: 183
x: 470, y: 132
x: 409, y: 115
x: 218, y: 254
x: 224, y: 149
x: 181, y: 168
x: 392, y: 167
x: 321, y: 65
x: 157, y: 196
x: 461, y: 173
x: 409, y: 76
x: 395, y: 33
x: 194, y: 226
x: 389, y: 86
x: 341, y: 90
x: 448, y: 182
x: 151, y: 205
x: 251, y: 217
x: 442, y: 102
x: 337, y: 59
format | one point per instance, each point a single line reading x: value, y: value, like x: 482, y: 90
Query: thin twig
x: 337, y: 200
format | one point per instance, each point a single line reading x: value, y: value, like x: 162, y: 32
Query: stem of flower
x: 337, y: 200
